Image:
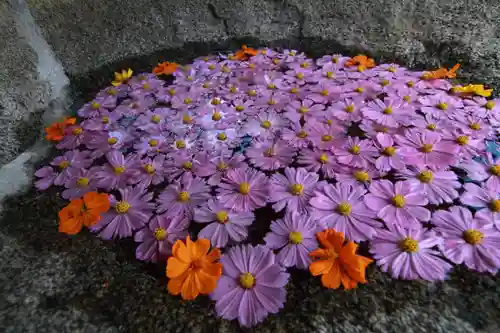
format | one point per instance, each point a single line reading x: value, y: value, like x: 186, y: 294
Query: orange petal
x: 181, y: 251
x: 205, y: 283
x: 96, y: 202
x: 200, y: 248
x: 214, y: 255
x: 90, y: 218
x: 213, y: 269
x: 70, y: 226
x: 189, y: 289
x: 176, y: 267
x: 319, y: 267
x: 318, y: 253
x: 174, y: 286
x: 331, y: 279
x: 347, y: 282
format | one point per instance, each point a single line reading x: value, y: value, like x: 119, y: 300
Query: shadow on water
x: 111, y: 286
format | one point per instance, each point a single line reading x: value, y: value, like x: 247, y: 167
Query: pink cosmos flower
x: 296, y: 135
x: 397, y: 204
x: 156, y: 239
x: 430, y: 123
x: 372, y: 128
x: 324, y: 92
x: 341, y: 207
x: 46, y: 176
x: 130, y: 213
x: 152, y: 122
x: 346, y: 110
x: 116, y: 173
x: 304, y: 109
x: 425, y: 148
x: 244, y: 107
x: 441, y: 105
x: 467, y: 146
x: 101, y: 143
x: 81, y: 181
x: 292, y: 190
x: 356, y: 153
x: 74, y: 136
x: 316, y: 160
x: 104, y: 121
x: 98, y: 106
x: 266, y: 124
x: 148, y: 171
x: 183, y: 196
x: 71, y: 159
x: 336, y: 59
x: 270, y: 155
x: 185, y: 100
x: 467, y: 240
x: 389, y: 112
x: 224, y: 225
x: 243, y: 190
x: 408, y: 254
x: 440, y: 186
x: 484, y: 199
x: 271, y: 101
x: 295, y: 237
x: 326, y: 137
x: 474, y: 126
x: 135, y: 106
x: 216, y: 165
x: 389, y: 154
x: 151, y: 145
x: 357, y: 176
x: 487, y: 172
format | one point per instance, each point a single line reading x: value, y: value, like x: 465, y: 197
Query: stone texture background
x: 53, y: 283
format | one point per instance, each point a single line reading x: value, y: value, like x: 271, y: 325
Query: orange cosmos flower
x: 244, y: 53
x: 165, y: 68
x: 362, y: 61
x: 83, y: 212
x: 441, y: 73
x: 192, y: 269
x: 338, y: 262
x: 55, y: 132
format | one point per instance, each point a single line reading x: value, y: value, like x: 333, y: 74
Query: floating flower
x: 85, y: 211
x: 441, y: 73
x: 316, y: 160
x: 338, y: 262
x: 55, y: 132
x: 193, y: 269
x: 361, y: 61
x: 409, y: 254
x: 484, y: 199
x: 251, y: 286
x: 389, y: 156
x: 472, y: 89
x: 122, y: 77
x: 487, y: 172
x: 80, y: 181
x: 166, y: 68
x: 243, y: 190
x: 270, y: 155
x: 356, y: 153
x: 389, y: 112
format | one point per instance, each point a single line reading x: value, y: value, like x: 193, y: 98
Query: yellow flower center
x: 389, y: 151
x: 297, y: 189
x: 222, y: 136
x: 216, y: 116
x: 95, y: 105
x: 156, y: 119
x: 119, y: 170
x: 122, y: 207
x: 252, y: 93
x: 299, y: 76
x: 215, y: 101
x: 359, y: 90
x: 407, y: 98
x: 294, y: 90
x: 355, y: 150
x: 410, y: 84
x: 82, y: 182
x: 239, y: 108
x: 472, y: 236
x: 344, y: 208
x: 171, y: 92
x: 495, y: 170
x: 244, y: 188
x: 233, y: 89
x: 247, y: 280
x: 222, y: 216
x: 271, y: 102
x: 475, y: 126
x: 381, y: 129
x: 490, y: 105
x: 361, y: 68
x: 266, y: 124
x: 188, y: 100
x: 398, y: 200
x: 145, y: 86
x: 326, y: 138
x: 189, y: 78
x: 251, y: 66
x: 426, y: 148
x: 105, y: 120
x: 302, y: 134
x: 361, y: 176
x: 426, y: 176
x: 211, y: 67
x: 494, y: 205
x: 462, y: 140
x: 180, y: 144
x: 269, y: 152
x: 160, y: 234
x: 183, y: 196
x: 186, y: 119
x: 226, y: 69
x: 187, y: 165
x: 330, y: 75
x: 112, y: 141
x: 384, y: 83
x: 271, y: 86
x: 303, y: 110
x: 387, y: 110
x: 149, y: 168
x: 221, y: 166
x: 153, y: 142
x: 349, y: 108
x: 292, y: 53
x: 295, y: 237
x: 442, y: 106
x: 409, y: 245
x: 63, y: 165
x: 329, y: 122
x: 324, y: 92
x: 112, y: 91
x: 335, y: 60
x: 77, y: 131
x: 391, y: 69
x: 304, y: 65
x: 431, y: 127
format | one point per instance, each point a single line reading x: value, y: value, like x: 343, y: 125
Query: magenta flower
x: 356, y: 153
x: 148, y: 171
x: 440, y: 105
x: 346, y: 110
x: 117, y: 172
x: 430, y: 123
x: 46, y: 176
x: 408, y: 254
x: 243, y: 190
x: 269, y: 155
x: 326, y: 137
x: 296, y: 135
x: 81, y: 181
x: 292, y: 190
x: 152, y: 122
x: 342, y: 208
x: 180, y: 163
x: 251, y: 286
x: 357, y: 176
x: 324, y: 92
x: 488, y: 172
x: 316, y: 160
x: 74, y: 136
x: 397, y: 204
x: 218, y: 164
x: 131, y: 212
x: 150, y: 144
x: 389, y: 112
x: 101, y: 104
x: 484, y: 199
x: 467, y: 146
x: 104, y: 121
x: 266, y: 124
x: 304, y: 109
x: 101, y: 143
x: 467, y: 240
x: 474, y: 126
x: 183, y: 196
x: 135, y: 106
x: 440, y: 186
x: 295, y: 237
x: 224, y: 225
x: 389, y: 154
x: 244, y: 107
x: 71, y: 159
x: 372, y: 128
x: 425, y: 148
x: 185, y: 100
x: 156, y: 239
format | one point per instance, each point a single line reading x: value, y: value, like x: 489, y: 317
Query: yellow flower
x: 473, y: 89
x: 122, y: 77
